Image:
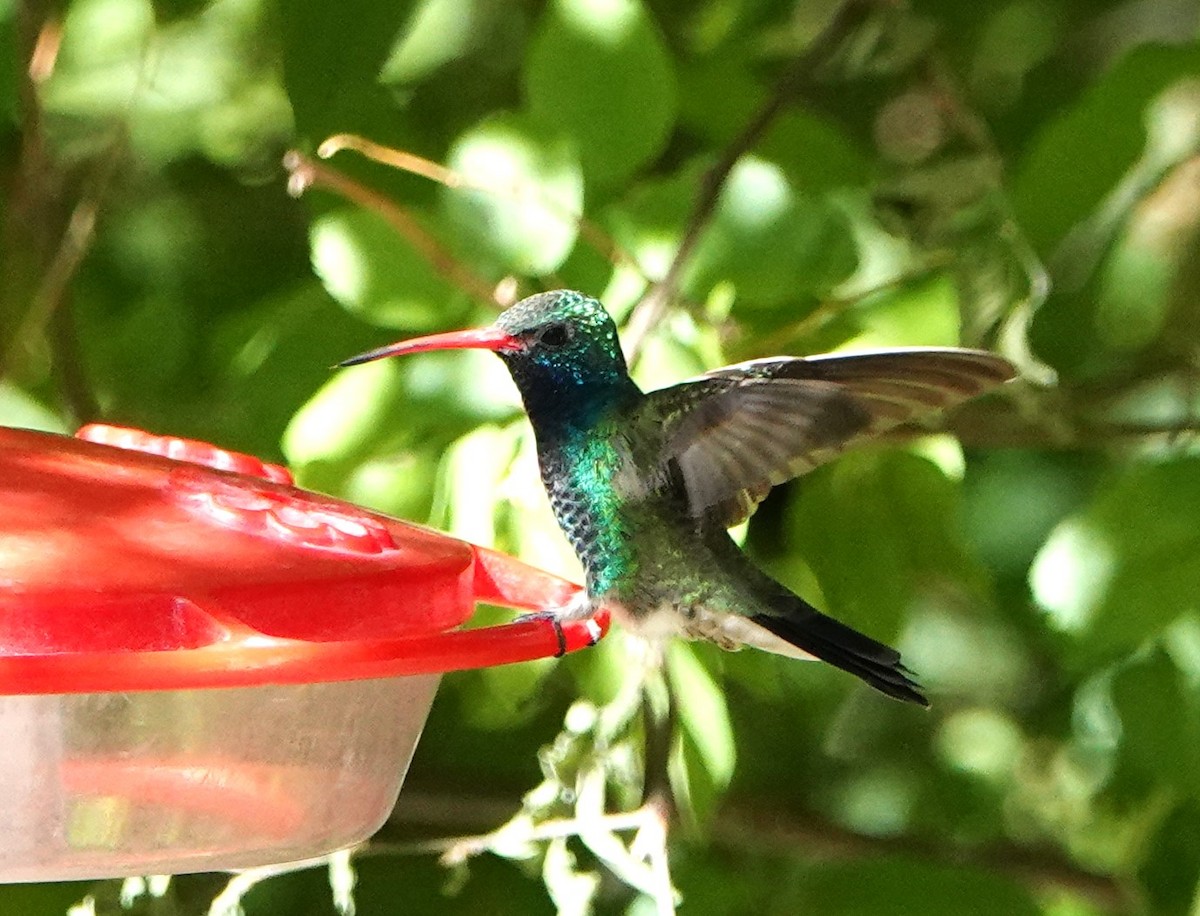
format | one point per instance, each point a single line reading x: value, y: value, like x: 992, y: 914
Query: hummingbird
x: 645, y: 485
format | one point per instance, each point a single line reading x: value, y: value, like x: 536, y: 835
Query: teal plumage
x: 644, y: 485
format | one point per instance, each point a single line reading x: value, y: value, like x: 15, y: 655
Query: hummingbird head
x: 561, y: 340
x: 561, y: 349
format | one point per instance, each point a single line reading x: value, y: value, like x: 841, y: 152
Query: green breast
x: 584, y: 473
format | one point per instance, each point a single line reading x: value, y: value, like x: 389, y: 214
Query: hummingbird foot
x: 579, y: 608
x: 555, y: 621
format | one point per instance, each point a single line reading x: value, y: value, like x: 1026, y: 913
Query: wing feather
x: 739, y: 430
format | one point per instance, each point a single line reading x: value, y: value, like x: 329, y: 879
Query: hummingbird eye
x: 555, y: 335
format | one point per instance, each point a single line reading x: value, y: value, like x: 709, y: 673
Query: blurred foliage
x: 1021, y: 175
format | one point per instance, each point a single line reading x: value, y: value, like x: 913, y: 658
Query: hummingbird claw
x: 559, y: 633
x: 561, y: 636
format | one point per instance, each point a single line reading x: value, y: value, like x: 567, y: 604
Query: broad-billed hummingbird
x: 646, y: 484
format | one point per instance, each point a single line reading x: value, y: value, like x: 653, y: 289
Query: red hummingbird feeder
x: 203, y: 667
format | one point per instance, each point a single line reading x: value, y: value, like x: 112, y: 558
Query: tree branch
x: 994, y: 423
x: 749, y: 828
x: 44, y: 238
x: 652, y: 307
x: 591, y: 232
x: 304, y: 174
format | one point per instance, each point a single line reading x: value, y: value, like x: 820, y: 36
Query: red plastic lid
x: 138, y: 562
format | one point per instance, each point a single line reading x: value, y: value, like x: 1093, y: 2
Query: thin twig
x: 830, y: 308
x: 747, y: 827
x: 55, y: 283
x: 229, y: 901
x: 652, y: 307
x: 651, y: 844
x: 813, y: 838
x: 459, y: 849
x: 591, y: 232
x: 304, y: 174
x: 38, y: 199
x: 68, y: 367
x: 34, y: 212
x: 659, y: 718
x: 987, y: 425
x: 52, y: 289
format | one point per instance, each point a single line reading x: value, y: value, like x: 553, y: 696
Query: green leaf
x: 438, y: 32
x: 332, y: 56
x: 44, y: 898
x: 717, y: 93
x: 10, y: 63
x: 1169, y: 873
x: 1135, y: 286
x: 1128, y: 565
x: 878, y: 528
x: 1053, y: 189
x: 476, y: 466
x: 1160, y: 731
x: 367, y: 267
x: 1012, y: 499
x: 166, y: 11
x: 162, y: 339
x: 343, y: 416
x: 695, y: 789
x: 602, y: 671
x: 524, y: 219
x: 891, y: 887
x: 267, y: 360
x: 18, y: 409
x: 212, y: 89
x: 504, y: 696
x: 702, y: 712
x: 769, y: 240
x: 817, y: 153
x: 925, y: 313
x: 402, y: 482
x: 600, y: 71
x: 648, y: 221
x: 389, y: 412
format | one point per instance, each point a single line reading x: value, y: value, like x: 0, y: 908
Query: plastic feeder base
x: 166, y: 782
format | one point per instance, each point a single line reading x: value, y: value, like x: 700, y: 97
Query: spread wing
x: 740, y: 430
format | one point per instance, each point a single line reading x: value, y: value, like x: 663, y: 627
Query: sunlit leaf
x: 770, y: 240
x: 524, y: 218
x: 1051, y: 192
x: 599, y: 70
x: 878, y: 528
x: 475, y: 466
x: 439, y: 31
x: 380, y: 276
x: 1127, y: 565
x: 341, y: 418
x: 703, y: 713
x: 923, y: 314
x: 18, y: 409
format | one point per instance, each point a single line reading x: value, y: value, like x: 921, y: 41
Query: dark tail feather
x: 807, y: 628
